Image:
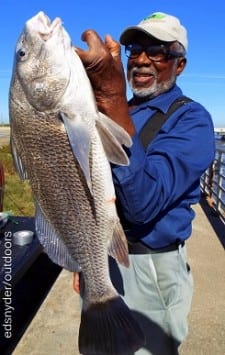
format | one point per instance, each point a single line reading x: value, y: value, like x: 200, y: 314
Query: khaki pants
x: 158, y: 289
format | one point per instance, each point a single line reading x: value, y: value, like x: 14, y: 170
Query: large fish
x: 63, y: 145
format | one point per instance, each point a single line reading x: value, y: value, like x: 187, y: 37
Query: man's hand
x: 103, y: 64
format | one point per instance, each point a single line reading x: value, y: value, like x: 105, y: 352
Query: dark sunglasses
x: 155, y: 53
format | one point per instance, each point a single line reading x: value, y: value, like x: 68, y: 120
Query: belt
x: 140, y: 248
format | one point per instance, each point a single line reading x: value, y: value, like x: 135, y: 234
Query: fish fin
x: 53, y: 245
x: 109, y: 328
x: 113, y: 137
x: 118, y: 132
x: 118, y: 247
x: 79, y: 138
x: 19, y: 167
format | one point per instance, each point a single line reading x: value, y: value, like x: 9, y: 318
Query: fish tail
x: 108, y: 328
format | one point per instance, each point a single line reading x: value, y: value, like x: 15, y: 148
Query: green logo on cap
x: 156, y: 15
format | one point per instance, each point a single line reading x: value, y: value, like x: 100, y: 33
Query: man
x: 156, y: 191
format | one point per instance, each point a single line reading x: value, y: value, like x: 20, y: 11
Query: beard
x: 154, y: 89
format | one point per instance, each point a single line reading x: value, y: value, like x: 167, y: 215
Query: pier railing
x: 213, y: 184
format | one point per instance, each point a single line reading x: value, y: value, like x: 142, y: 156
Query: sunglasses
x: 155, y: 53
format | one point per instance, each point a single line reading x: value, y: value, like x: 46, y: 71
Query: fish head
x: 41, y: 61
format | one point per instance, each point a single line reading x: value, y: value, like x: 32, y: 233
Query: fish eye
x: 22, y: 53
x: 21, y: 49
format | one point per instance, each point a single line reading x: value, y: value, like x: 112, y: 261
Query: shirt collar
x: 161, y: 102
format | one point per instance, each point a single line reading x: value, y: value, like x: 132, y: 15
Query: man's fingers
x: 95, y: 45
x: 113, y: 46
x: 92, y: 38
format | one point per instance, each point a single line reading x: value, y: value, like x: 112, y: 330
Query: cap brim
x: 129, y: 35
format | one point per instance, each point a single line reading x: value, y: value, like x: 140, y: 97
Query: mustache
x: 142, y: 70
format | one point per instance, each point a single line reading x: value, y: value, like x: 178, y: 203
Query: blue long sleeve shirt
x: 156, y: 191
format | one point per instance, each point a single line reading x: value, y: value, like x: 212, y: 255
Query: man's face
x: 149, y: 78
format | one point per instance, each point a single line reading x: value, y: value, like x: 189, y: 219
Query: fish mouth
x: 43, y: 25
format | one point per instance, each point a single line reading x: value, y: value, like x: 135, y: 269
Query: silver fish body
x: 63, y: 145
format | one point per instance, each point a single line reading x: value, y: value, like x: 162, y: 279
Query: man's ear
x: 181, y: 65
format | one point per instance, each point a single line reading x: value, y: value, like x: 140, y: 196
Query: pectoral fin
x: 113, y: 137
x: 79, y: 138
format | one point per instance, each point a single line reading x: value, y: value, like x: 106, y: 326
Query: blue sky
x: 204, y: 76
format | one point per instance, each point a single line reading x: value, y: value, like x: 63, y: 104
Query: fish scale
x: 75, y: 198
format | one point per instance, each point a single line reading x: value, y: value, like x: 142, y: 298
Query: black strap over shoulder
x: 153, y: 125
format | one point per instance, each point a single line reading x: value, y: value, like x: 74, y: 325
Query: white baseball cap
x: 159, y: 25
